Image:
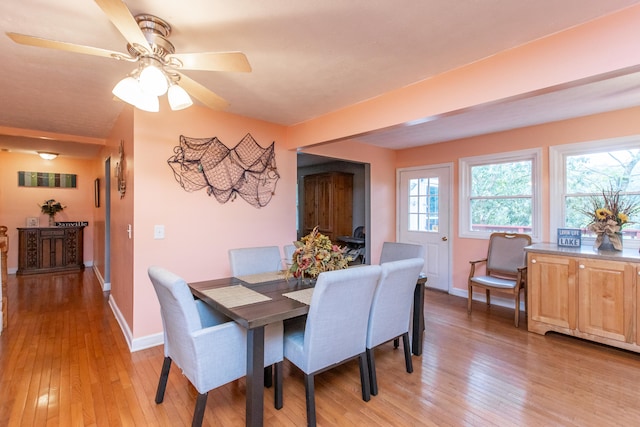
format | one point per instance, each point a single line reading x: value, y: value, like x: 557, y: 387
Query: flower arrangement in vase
x: 609, y: 215
x: 51, y: 208
x: 314, y: 254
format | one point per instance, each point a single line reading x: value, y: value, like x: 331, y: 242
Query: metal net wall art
x: 247, y: 170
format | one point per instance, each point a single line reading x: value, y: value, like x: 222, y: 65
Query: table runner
x: 235, y: 296
x: 262, y: 277
x: 303, y: 296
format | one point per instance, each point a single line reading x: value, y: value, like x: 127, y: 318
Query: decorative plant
x: 314, y: 254
x: 609, y: 214
x: 51, y: 207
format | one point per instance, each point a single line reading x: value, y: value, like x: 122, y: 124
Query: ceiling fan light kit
x: 159, y: 67
x: 179, y: 99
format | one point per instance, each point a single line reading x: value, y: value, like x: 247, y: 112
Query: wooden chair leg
x: 396, y: 343
x: 488, y: 296
x: 364, y: 376
x: 517, y: 310
x: 164, y: 375
x: 311, y: 400
x: 407, y: 352
x: 373, y: 380
x: 278, y: 383
x: 198, y: 413
x: 469, y: 298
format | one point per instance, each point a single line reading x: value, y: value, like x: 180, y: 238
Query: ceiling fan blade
x: 202, y: 94
x: 121, y: 17
x: 70, y: 47
x: 213, y: 61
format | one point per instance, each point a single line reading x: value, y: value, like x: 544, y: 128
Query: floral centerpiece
x: 609, y: 215
x: 314, y: 254
x: 51, y: 208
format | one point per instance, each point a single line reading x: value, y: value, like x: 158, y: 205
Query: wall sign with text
x: 569, y: 237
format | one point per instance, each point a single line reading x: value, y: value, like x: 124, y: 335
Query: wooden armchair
x: 506, y: 269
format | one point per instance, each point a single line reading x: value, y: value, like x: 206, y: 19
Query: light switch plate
x: 158, y: 231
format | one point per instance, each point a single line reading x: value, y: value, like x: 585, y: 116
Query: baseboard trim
x: 134, y: 344
x: 495, y: 299
x: 106, y: 286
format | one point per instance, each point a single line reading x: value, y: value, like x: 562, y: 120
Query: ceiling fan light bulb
x: 148, y: 102
x: 128, y: 90
x: 179, y: 99
x: 153, y: 81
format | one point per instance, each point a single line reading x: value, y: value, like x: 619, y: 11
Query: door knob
x: 444, y: 238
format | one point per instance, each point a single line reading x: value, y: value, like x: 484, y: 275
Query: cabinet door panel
x: 310, y: 209
x: 325, y: 204
x: 551, y: 287
x: 606, y: 299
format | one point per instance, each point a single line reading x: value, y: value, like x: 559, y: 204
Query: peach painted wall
x: 18, y: 203
x: 591, y: 128
x: 383, y: 187
x: 198, y: 229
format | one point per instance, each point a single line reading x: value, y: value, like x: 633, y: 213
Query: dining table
x: 261, y: 299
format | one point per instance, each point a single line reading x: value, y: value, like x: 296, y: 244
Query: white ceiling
x: 308, y: 59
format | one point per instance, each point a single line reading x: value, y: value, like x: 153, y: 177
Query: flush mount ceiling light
x: 159, y: 68
x: 47, y: 156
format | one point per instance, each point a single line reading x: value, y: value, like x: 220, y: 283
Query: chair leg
x: 396, y: 343
x: 198, y: 413
x: 373, y: 380
x: 164, y: 375
x: 488, y: 297
x: 278, y: 383
x: 364, y: 376
x: 407, y: 352
x: 311, y: 400
x: 517, y: 310
x: 469, y: 298
x: 268, y: 377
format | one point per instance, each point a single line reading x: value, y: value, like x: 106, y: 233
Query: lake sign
x: 569, y: 237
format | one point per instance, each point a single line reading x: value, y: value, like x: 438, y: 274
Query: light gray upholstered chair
x: 247, y: 261
x: 288, y: 252
x: 335, y: 329
x: 394, y: 251
x: 506, y: 269
x: 390, y: 314
x: 208, y: 347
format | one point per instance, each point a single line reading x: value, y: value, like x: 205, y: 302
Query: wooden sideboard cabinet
x: 328, y: 203
x: 584, y: 293
x: 50, y: 249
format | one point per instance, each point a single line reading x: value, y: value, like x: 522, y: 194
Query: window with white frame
x: 499, y: 193
x: 580, y: 172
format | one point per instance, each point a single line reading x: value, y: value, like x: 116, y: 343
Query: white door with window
x: 423, y: 218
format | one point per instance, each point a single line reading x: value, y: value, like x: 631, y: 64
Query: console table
x: 50, y: 249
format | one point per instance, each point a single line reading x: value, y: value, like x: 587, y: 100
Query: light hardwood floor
x: 64, y: 362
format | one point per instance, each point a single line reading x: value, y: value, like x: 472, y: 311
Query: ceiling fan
x: 159, y: 67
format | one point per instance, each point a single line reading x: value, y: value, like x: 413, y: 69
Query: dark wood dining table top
x: 258, y: 314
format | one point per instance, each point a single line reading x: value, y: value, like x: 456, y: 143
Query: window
x: 499, y: 194
x: 423, y: 204
x: 582, y: 171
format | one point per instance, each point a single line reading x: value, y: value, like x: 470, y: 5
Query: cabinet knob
x: 533, y: 261
x: 581, y: 265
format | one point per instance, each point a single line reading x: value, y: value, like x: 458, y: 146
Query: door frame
x: 449, y: 167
